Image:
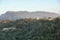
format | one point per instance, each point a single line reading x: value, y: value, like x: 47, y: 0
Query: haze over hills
x: 11, y: 15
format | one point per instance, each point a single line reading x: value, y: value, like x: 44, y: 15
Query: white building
x: 9, y: 28
x: 37, y: 18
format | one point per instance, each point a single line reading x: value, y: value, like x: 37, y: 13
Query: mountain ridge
x: 12, y: 15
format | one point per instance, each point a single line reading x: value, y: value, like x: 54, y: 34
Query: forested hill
x: 30, y: 29
x: 11, y: 15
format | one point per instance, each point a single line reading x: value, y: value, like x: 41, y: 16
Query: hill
x: 11, y: 15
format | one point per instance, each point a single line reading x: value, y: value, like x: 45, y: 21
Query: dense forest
x: 30, y: 29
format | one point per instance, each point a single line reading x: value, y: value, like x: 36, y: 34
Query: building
x: 9, y: 28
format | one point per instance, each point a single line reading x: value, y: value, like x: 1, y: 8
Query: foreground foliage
x: 31, y: 29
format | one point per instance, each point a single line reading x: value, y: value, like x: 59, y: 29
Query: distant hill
x: 11, y: 15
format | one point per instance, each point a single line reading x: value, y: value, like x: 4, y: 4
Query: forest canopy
x: 30, y: 29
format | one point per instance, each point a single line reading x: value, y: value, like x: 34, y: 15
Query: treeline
x: 30, y: 29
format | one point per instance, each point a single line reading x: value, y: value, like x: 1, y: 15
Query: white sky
x: 30, y: 5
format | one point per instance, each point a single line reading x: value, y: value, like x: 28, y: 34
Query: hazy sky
x: 30, y: 5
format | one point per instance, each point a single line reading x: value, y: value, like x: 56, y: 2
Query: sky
x: 30, y: 5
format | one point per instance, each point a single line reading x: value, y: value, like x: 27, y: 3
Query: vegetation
x: 30, y: 29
